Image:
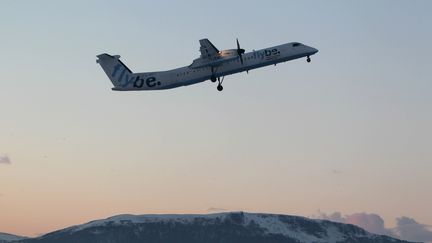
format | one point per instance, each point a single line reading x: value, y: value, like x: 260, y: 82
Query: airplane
x: 212, y: 65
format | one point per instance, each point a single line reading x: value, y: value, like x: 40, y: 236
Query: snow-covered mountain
x: 9, y: 238
x: 237, y: 227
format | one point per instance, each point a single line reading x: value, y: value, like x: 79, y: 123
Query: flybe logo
x: 267, y: 54
x: 123, y: 78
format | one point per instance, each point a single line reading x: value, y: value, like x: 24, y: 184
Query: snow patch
x: 273, y: 225
x: 148, y: 218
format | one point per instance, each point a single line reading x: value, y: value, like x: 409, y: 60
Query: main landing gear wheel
x: 213, y: 79
x: 308, y: 59
x: 219, y: 87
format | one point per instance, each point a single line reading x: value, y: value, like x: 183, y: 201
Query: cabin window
x: 295, y: 44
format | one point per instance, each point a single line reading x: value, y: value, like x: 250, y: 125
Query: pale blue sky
x: 348, y: 132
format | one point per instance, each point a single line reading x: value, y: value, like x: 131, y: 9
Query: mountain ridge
x: 5, y: 237
x: 230, y: 227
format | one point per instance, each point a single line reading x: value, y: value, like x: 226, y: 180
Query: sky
x: 349, y: 132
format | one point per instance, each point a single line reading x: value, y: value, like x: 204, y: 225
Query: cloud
x: 409, y: 229
x: 406, y: 229
x: 336, y: 217
x: 370, y: 222
x: 4, y: 159
x: 216, y: 210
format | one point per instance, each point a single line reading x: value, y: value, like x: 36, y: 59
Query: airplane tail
x: 118, y: 73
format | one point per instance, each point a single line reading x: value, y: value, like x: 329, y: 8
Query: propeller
x: 240, y: 51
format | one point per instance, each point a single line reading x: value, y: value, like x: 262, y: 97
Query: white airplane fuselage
x: 125, y: 80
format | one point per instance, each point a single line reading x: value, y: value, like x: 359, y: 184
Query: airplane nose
x: 310, y: 50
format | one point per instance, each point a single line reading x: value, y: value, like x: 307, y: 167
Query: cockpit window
x: 296, y: 44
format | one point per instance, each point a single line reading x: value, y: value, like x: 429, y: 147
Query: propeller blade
x: 240, y: 51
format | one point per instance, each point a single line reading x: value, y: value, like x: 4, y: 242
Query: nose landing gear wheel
x: 308, y: 59
x: 219, y: 87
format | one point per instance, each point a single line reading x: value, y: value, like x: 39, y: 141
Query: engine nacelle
x: 221, y: 57
x: 228, y: 53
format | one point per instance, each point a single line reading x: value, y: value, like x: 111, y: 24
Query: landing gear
x: 219, y: 87
x: 213, y: 78
x: 308, y: 59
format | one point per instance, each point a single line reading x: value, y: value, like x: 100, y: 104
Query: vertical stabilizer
x: 119, y: 74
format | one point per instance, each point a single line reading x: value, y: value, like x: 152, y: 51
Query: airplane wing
x: 207, y: 49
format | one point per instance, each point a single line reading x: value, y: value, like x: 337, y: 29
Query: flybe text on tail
x: 122, y: 77
x: 126, y: 79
